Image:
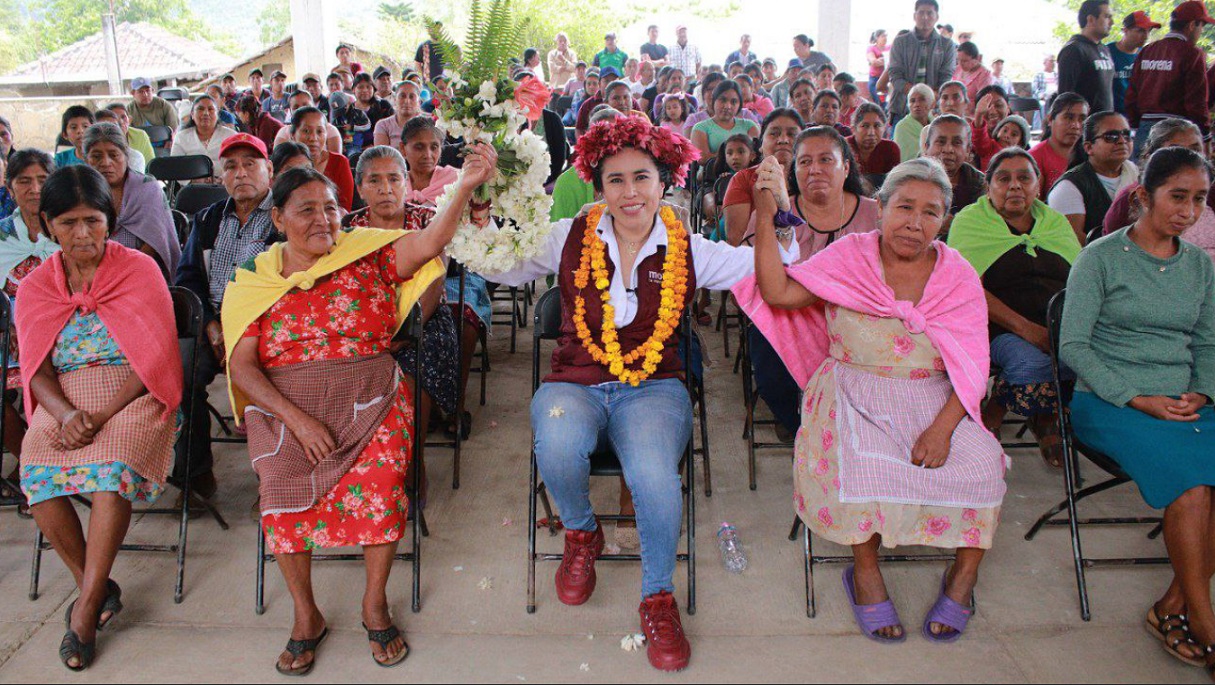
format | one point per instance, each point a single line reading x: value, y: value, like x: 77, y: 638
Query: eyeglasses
x: 1112, y: 137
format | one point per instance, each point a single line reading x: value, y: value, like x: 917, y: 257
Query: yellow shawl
x: 259, y: 284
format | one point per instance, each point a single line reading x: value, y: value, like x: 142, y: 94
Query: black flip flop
x: 72, y: 646
x: 297, y: 648
x: 383, y: 638
x: 112, y: 604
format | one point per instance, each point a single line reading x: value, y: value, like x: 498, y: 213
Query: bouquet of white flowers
x: 488, y: 106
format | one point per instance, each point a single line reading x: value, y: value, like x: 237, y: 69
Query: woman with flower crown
x: 626, y: 270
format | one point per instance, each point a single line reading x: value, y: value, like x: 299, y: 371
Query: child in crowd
x: 675, y: 114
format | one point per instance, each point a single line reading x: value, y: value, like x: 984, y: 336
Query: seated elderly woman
x: 381, y: 175
x: 1100, y: 167
x: 626, y: 271
x: 1139, y: 331
x: 1022, y: 251
x: 95, y: 328
x: 308, y: 127
x: 874, y: 153
x: 890, y: 318
x: 144, y: 222
x: 327, y: 480
x: 23, y: 246
x: 919, y: 112
x: 202, y: 133
x: 1170, y: 132
x: 76, y: 120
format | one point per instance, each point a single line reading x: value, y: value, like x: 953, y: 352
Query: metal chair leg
x: 531, y: 538
x: 259, y: 602
x: 691, y: 516
x: 811, y: 597
x: 704, y: 437
x: 36, y: 565
x: 1069, y: 470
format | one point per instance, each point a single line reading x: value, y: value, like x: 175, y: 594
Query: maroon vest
x: 571, y: 362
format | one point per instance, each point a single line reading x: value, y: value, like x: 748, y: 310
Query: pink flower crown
x: 607, y: 138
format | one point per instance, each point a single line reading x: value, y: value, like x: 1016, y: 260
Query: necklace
x: 593, y: 263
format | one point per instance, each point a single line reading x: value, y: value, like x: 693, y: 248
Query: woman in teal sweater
x: 1139, y: 331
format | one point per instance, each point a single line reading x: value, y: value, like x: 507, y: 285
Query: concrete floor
x: 750, y: 627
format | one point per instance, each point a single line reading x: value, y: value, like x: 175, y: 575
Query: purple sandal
x: 872, y: 617
x: 949, y: 613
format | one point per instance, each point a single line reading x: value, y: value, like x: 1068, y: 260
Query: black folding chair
x: 187, y: 311
x: 159, y: 136
x: 181, y: 226
x: 1072, y: 447
x: 752, y: 420
x: 173, y: 170
x: 411, y: 329
x: 548, y: 327
x: 516, y: 316
x: 173, y: 93
x: 562, y: 103
x: 198, y: 196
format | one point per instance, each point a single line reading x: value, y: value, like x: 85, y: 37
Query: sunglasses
x: 1113, y: 137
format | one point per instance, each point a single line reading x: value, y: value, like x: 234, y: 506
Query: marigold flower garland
x: 593, y: 264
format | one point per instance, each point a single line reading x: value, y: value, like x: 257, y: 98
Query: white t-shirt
x: 1065, y: 197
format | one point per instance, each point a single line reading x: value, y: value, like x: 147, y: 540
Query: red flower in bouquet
x: 531, y: 96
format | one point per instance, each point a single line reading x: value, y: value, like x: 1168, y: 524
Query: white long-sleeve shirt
x: 718, y: 265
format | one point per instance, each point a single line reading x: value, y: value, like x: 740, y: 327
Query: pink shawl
x: 952, y: 312
x: 442, y: 177
x: 130, y: 296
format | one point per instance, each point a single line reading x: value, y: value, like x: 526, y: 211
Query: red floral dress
x: 350, y: 313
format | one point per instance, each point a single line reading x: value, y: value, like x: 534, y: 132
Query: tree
x: 273, y: 22
x: 1158, y: 10
x: 399, y: 12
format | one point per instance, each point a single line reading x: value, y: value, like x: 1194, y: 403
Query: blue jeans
x: 648, y: 427
x: 1019, y: 361
x: 774, y: 382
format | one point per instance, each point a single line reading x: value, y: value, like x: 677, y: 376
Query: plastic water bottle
x: 731, y: 549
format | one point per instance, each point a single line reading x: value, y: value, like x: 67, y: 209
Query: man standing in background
x: 1135, y: 30
x: 919, y: 56
x: 1169, y: 78
x: 653, y: 50
x: 562, y: 62
x: 683, y: 55
x: 1085, y: 66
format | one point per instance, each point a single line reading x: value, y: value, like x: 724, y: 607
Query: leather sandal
x: 112, y: 604
x: 1173, y: 631
x: 384, y: 638
x: 297, y: 648
x: 73, y: 647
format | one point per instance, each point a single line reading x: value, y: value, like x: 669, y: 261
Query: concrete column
x: 314, y: 28
x: 113, y: 71
x: 835, y: 32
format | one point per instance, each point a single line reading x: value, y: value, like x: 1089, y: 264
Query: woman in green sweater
x: 1139, y: 331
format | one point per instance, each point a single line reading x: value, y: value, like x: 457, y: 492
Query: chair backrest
x: 562, y: 104
x: 199, y: 196
x: 1054, y: 321
x: 183, y: 168
x: 181, y: 226
x: 158, y: 135
x: 1018, y: 105
x: 187, y: 313
x: 173, y: 93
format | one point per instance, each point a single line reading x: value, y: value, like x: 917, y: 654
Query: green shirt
x: 907, y: 135
x: 1134, y: 324
x: 570, y: 194
x: 718, y: 135
x: 615, y: 60
x: 159, y: 113
x: 138, y: 140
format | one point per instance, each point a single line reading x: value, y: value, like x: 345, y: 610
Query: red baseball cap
x: 1140, y: 20
x: 244, y: 140
x: 1193, y: 10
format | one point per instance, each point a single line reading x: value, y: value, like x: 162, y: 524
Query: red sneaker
x: 576, y: 574
x: 666, y: 645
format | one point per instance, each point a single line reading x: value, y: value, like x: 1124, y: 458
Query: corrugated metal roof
x: 143, y: 50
